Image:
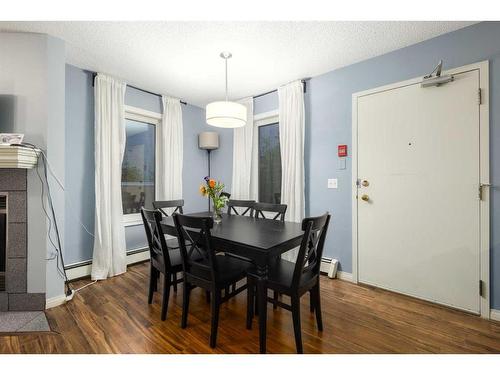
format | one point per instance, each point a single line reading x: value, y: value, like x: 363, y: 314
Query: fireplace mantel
x: 18, y: 157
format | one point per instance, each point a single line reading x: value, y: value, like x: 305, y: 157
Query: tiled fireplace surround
x: 15, y: 297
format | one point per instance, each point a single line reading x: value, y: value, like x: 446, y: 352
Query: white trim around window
x: 266, y: 118
x: 154, y: 118
x: 260, y: 119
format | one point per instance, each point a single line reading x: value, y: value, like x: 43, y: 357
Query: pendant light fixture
x: 226, y: 114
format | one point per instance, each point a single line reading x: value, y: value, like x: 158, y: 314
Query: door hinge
x: 481, y: 288
x: 481, y: 186
x: 479, y: 96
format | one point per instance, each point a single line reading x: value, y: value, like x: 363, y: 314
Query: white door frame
x: 484, y: 171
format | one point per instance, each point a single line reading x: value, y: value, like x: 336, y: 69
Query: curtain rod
x: 94, y: 74
x: 304, y: 82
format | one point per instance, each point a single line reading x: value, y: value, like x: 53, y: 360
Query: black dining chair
x: 274, y: 212
x: 240, y: 207
x: 204, y: 268
x: 164, y: 206
x: 296, y: 279
x: 163, y: 258
x: 176, y: 204
x: 270, y: 211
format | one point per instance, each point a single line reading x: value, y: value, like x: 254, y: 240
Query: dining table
x: 257, y: 239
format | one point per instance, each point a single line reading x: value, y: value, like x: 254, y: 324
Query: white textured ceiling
x: 182, y: 58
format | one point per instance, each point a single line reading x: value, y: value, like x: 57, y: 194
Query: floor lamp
x: 208, y: 141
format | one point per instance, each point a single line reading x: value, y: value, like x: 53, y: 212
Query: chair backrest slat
x: 198, y: 255
x: 240, y: 207
x: 155, y: 236
x: 224, y: 194
x: 176, y: 204
x: 311, y: 248
x: 279, y: 211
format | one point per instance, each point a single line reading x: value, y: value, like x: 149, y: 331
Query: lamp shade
x: 226, y: 114
x: 208, y: 141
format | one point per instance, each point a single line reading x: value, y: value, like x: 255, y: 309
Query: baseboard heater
x: 82, y: 269
x: 329, y: 267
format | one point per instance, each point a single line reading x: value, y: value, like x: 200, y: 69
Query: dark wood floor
x: 113, y: 317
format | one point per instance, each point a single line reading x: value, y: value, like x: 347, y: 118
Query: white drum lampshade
x: 208, y: 141
x: 226, y: 114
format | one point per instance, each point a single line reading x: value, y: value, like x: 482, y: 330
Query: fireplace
x: 3, y: 239
x: 14, y: 293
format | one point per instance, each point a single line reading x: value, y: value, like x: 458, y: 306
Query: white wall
x: 32, y: 74
x: 56, y: 75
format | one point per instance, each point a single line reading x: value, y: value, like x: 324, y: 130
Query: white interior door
x: 419, y: 230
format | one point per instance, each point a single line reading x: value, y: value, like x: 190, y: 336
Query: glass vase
x: 217, y: 216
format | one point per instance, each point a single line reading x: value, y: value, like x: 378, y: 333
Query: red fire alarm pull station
x: 342, y: 151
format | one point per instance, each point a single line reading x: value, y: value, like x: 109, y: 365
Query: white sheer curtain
x: 170, y: 150
x: 292, y: 128
x: 109, y: 258
x: 242, y: 155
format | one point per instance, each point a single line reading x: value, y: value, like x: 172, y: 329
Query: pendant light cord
x: 226, y: 77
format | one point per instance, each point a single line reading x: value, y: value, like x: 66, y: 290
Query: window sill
x: 131, y: 220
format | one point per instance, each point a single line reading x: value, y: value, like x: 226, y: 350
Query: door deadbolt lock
x: 365, y: 183
x: 365, y: 197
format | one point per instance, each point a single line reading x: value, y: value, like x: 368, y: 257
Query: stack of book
x: 18, y: 157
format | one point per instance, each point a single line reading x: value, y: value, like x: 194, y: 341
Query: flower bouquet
x: 213, y: 190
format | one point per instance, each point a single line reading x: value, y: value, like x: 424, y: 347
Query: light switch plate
x: 332, y: 183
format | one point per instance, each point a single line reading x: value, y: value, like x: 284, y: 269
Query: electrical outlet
x: 332, y: 183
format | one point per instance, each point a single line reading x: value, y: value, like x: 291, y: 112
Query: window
x: 269, y: 162
x: 139, y: 163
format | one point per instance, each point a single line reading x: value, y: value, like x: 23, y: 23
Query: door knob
x: 365, y: 197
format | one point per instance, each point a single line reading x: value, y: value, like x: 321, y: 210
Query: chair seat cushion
x: 173, y: 243
x: 230, y: 270
x: 281, y: 275
x: 175, y: 259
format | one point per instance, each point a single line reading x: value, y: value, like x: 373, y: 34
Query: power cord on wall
x: 58, y: 257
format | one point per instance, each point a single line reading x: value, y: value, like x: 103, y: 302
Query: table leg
x: 262, y: 272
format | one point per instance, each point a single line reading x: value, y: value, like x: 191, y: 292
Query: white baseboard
x: 346, y: 276
x: 341, y: 275
x: 55, y: 301
x: 495, y: 315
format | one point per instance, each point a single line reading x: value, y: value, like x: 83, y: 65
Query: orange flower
x: 203, y: 190
x: 211, y: 183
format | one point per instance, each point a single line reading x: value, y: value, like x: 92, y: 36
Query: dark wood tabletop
x: 254, y: 238
x: 260, y: 240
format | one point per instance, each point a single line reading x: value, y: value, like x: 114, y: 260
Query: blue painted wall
x: 79, y: 138
x: 329, y: 118
x: 195, y: 160
x: 328, y: 123
x: 140, y: 99
x: 80, y: 194
x: 266, y: 103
